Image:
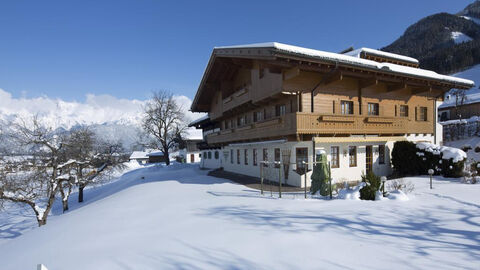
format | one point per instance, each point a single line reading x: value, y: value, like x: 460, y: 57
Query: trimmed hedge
x: 407, y: 159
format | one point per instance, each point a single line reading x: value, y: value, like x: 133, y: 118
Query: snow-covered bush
x: 372, y: 185
x: 400, y: 184
x: 409, y: 158
x: 466, y: 147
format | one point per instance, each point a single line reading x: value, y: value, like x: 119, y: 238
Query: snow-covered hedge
x: 409, y: 158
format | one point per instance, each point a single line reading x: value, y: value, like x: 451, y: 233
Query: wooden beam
x: 396, y: 87
x: 334, y: 77
x: 368, y: 82
x: 291, y: 73
x: 421, y: 90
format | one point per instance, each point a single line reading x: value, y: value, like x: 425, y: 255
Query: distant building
x: 156, y: 157
x: 449, y: 110
x: 192, y: 152
x: 211, y: 157
x: 139, y: 156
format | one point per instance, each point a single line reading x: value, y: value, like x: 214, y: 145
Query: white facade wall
x: 339, y: 175
x: 438, y: 127
x: 294, y: 178
x: 212, y: 162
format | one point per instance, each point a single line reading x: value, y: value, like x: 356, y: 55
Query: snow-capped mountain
x: 109, y: 117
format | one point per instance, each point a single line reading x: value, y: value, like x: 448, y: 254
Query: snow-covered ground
x: 472, y: 142
x: 177, y: 217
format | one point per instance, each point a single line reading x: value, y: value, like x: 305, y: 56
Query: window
x: 277, y: 157
x: 227, y: 126
x: 301, y: 156
x: 352, y: 155
x: 347, y: 107
x: 209, y: 155
x: 257, y: 116
x: 422, y: 114
x: 280, y: 110
x: 217, y: 155
x: 334, y: 152
x: 381, y: 154
x: 404, y: 110
x: 245, y: 156
x: 238, y: 156
x: 231, y: 156
x: 372, y: 108
x: 255, y: 157
x: 241, y: 120
x: 265, y: 157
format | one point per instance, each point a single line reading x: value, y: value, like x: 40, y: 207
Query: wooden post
x: 280, y: 181
x: 261, y: 179
x: 330, y: 179
x: 305, y: 179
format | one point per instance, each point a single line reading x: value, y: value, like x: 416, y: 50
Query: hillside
x: 446, y: 43
x: 177, y: 217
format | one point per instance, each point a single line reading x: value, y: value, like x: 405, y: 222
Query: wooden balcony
x: 308, y: 123
x: 311, y: 123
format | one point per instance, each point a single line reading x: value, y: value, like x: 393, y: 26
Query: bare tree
x: 165, y: 121
x: 33, y: 180
x: 460, y: 99
x: 88, y: 158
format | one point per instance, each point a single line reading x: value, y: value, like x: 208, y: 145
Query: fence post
x: 280, y: 180
x: 305, y: 178
x: 261, y: 178
x: 330, y: 179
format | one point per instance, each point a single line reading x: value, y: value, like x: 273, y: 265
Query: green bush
x: 452, y: 169
x: 405, y: 160
x: 373, y: 184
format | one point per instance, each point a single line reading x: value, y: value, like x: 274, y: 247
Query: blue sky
x: 66, y: 49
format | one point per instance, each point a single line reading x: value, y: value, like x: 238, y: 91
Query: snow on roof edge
x: 400, y: 57
x: 347, y: 59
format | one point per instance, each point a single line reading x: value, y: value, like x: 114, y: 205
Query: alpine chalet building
x: 281, y: 103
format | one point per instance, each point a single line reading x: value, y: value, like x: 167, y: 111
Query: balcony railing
x: 312, y: 123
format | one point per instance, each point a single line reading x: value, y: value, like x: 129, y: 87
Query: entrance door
x: 368, y: 158
x: 192, y: 158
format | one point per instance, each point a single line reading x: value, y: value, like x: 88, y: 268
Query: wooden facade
x: 260, y: 93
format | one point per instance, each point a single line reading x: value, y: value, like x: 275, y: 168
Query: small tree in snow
x: 460, y: 99
x: 165, y: 121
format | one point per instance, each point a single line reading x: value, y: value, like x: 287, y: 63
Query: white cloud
x: 97, y: 109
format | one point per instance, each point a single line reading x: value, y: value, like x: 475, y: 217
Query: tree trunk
x: 65, y: 205
x: 167, y: 156
x: 80, y: 193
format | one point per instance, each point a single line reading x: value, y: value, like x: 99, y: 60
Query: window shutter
x: 396, y: 110
x: 416, y: 113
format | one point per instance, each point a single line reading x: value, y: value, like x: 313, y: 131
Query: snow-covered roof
x: 156, y: 154
x: 199, y: 120
x: 355, y: 61
x: 358, y: 52
x: 139, y: 155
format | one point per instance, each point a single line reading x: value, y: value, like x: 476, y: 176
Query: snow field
x: 180, y: 218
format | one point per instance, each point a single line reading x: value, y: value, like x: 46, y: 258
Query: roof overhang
x: 274, y: 51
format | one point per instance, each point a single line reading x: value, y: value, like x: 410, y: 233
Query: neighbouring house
x: 139, y: 156
x: 156, y: 157
x: 210, y: 154
x: 281, y: 104
x: 191, y: 153
x: 451, y: 109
